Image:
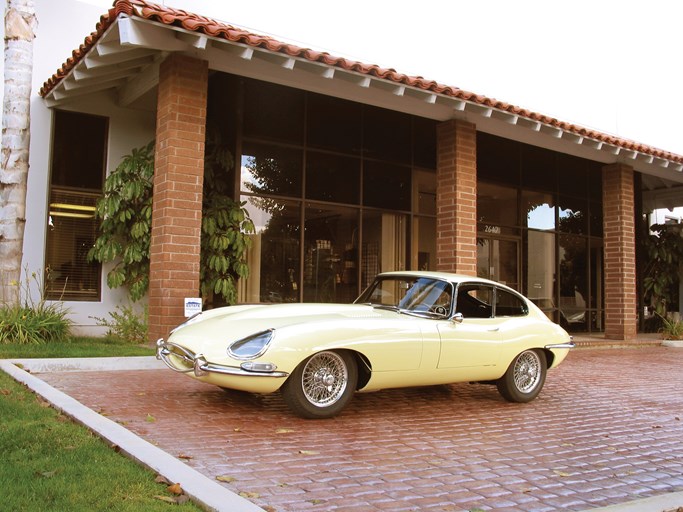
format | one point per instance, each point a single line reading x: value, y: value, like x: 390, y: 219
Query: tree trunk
x: 20, y: 22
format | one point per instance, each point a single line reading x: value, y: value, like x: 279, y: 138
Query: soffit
x: 123, y: 55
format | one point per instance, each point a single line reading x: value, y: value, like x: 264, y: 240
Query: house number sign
x: 494, y: 230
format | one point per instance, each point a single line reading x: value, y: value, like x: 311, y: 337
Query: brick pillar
x: 620, y: 252
x: 178, y: 181
x: 456, y: 197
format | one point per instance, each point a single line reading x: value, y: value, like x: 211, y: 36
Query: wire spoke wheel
x: 322, y: 385
x: 527, y: 371
x: 324, y: 379
x: 524, y: 378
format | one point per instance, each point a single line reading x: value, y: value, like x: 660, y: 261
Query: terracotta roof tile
x: 196, y: 23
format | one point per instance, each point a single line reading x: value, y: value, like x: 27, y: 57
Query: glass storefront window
x: 386, y: 185
x: 424, y: 251
x: 273, y: 112
x: 274, y: 258
x: 332, y: 178
x: 573, y: 216
x: 573, y: 282
x: 268, y: 169
x: 540, y: 210
x: 387, y: 135
x: 330, y: 254
x: 540, y: 270
x: 333, y: 124
x: 384, y: 244
x: 496, y: 205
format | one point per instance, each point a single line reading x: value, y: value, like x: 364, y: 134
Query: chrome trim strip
x: 164, y: 351
x: 571, y: 344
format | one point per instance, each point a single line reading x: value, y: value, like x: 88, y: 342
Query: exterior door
x: 498, y: 260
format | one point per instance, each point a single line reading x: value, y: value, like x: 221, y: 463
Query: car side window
x: 509, y: 304
x: 474, y: 301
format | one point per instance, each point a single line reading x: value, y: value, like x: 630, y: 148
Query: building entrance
x: 498, y: 260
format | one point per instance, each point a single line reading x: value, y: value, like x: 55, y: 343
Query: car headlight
x: 252, y: 346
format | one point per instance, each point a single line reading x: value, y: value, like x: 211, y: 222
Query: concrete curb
x: 89, y: 364
x: 204, y: 492
x: 665, y: 503
x: 673, y: 343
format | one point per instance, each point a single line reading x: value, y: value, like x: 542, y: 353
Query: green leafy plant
x: 125, y: 324
x: 33, y: 322
x: 125, y: 211
x: 225, y: 228
x: 664, y: 252
x: 671, y: 329
x: 126, y: 221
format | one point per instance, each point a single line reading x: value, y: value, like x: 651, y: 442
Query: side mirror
x: 458, y: 318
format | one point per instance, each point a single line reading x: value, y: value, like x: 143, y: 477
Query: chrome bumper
x: 198, y: 364
x: 571, y: 344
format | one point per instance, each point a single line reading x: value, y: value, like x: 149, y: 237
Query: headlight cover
x: 252, y: 346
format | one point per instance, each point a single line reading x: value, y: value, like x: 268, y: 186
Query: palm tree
x: 20, y: 21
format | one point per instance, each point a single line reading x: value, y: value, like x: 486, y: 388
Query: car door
x: 474, y: 342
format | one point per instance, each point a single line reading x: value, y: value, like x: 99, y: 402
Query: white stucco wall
x: 62, y: 27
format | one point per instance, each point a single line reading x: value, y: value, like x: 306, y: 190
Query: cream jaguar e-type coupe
x: 406, y: 329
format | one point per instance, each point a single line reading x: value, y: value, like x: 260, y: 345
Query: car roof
x: 448, y: 276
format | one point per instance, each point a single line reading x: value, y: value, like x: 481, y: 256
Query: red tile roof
x: 196, y: 23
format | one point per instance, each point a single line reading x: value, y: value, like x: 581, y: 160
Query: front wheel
x: 524, y: 378
x: 322, y: 385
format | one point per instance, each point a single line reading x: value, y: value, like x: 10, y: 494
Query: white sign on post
x: 192, y: 306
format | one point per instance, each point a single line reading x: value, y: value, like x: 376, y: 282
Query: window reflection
x: 268, y: 169
x: 330, y: 254
x: 572, y: 216
x: 573, y: 282
x: 540, y: 210
x: 274, y: 256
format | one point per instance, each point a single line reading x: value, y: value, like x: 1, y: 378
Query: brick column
x: 620, y: 252
x: 456, y: 197
x: 178, y: 182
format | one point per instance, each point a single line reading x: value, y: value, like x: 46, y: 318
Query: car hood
x: 236, y: 322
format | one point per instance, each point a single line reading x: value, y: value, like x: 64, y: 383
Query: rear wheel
x: 322, y: 385
x: 524, y: 378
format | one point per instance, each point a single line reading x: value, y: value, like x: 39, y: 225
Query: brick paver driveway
x: 606, y: 429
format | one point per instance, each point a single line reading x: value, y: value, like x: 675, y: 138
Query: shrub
x: 33, y: 322
x: 126, y: 324
x: 671, y: 329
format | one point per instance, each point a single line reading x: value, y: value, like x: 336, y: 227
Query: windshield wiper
x: 388, y: 307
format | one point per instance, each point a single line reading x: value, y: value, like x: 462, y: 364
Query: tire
x: 322, y: 385
x: 524, y: 378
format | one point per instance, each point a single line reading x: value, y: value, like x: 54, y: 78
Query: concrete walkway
x: 607, y: 431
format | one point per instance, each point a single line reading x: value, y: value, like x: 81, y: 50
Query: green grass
x: 75, y: 347
x: 49, y: 463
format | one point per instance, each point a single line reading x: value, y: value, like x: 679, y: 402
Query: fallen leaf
x: 237, y: 429
x: 250, y: 495
x: 225, y: 478
x: 316, y: 501
x: 562, y: 473
x: 183, y: 498
x: 184, y: 456
x: 150, y: 418
x: 160, y: 479
x: 308, y: 452
x: 42, y: 402
x: 167, y: 499
x: 7, y: 392
x: 284, y: 431
x: 175, y: 489
x: 269, y: 508
x: 656, y: 426
x: 47, y: 474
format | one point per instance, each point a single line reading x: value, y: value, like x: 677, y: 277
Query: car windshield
x: 419, y: 295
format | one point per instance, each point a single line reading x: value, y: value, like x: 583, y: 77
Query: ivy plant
x: 125, y: 212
